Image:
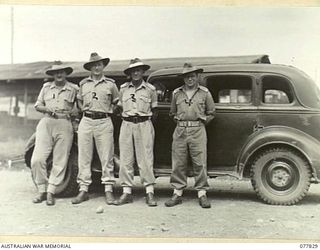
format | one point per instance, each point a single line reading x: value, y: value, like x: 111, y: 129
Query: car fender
x: 271, y: 136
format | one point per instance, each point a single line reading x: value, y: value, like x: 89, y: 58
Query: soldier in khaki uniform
x: 137, y: 100
x: 54, y: 132
x: 192, y: 107
x: 97, y: 96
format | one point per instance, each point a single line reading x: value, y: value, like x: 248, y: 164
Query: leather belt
x: 136, y: 119
x: 95, y: 115
x: 58, y: 116
x: 189, y: 123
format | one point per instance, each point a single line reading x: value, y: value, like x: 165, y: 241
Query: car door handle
x: 257, y: 127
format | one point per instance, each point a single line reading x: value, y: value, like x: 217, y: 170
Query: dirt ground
x: 236, y: 213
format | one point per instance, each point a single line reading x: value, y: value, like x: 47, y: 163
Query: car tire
x: 280, y: 176
x: 69, y: 185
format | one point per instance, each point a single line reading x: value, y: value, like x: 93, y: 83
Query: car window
x: 275, y: 96
x: 234, y: 96
x: 162, y: 91
x: 230, y: 89
x: 276, y: 90
x: 166, y: 85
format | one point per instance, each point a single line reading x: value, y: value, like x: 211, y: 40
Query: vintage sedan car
x: 266, y: 128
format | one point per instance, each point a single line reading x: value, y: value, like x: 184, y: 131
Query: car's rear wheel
x: 69, y: 186
x: 280, y: 176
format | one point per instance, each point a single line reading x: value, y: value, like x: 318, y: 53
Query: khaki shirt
x: 137, y: 102
x: 98, y: 96
x: 57, y: 98
x: 200, y: 106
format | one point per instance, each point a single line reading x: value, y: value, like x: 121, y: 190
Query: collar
x: 103, y: 79
x: 183, y: 87
x: 142, y: 85
x: 53, y: 85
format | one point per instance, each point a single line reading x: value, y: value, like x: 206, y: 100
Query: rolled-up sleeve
x: 173, y: 107
x: 40, y: 100
x: 154, y: 99
x: 120, y: 98
x: 79, y: 94
x: 210, y: 107
x: 115, y: 94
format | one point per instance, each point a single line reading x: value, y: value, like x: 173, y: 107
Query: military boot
x: 109, y: 198
x: 40, y: 198
x: 50, y: 199
x: 150, y: 200
x: 81, y: 197
x: 203, y: 201
x: 124, y: 199
x: 175, y: 200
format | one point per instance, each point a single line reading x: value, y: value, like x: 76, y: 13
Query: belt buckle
x: 96, y: 116
x: 135, y: 119
x: 183, y: 123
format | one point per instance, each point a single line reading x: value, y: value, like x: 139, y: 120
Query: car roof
x: 234, y: 67
x: 36, y: 70
x: 305, y: 88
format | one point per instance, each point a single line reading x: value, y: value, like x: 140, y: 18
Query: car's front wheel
x: 280, y: 176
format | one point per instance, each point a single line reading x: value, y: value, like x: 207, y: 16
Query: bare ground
x: 236, y: 213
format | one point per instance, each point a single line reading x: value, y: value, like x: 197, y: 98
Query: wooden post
x: 10, y: 107
x: 16, y: 107
x: 25, y: 99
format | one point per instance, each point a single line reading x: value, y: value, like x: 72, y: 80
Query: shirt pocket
x: 49, y: 98
x: 106, y: 96
x: 87, y: 97
x: 68, y: 98
x: 144, y: 104
x: 181, y: 108
x: 200, y: 107
x: 180, y: 101
x: 126, y: 103
x: 181, y: 104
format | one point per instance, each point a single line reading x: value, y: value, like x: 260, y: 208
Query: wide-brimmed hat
x: 136, y: 63
x: 94, y: 57
x: 189, y: 68
x: 59, y: 67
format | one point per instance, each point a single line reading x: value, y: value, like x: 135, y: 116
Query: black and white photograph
x: 170, y: 123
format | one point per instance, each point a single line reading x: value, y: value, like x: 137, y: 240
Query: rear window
x: 276, y: 90
x: 230, y: 89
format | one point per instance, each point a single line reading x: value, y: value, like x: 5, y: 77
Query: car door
x: 235, y: 120
x: 278, y: 104
x: 164, y: 124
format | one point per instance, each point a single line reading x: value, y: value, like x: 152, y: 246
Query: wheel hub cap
x: 280, y: 175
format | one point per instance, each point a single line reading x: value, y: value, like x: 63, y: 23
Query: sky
x: 70, y: 33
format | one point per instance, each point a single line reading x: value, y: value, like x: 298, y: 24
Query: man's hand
x: 204, y: 121
x: 51, y: 112
x: 117, y: 110
x: 73, y: 114
x: 45, y: 110
x: 154, y: 116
